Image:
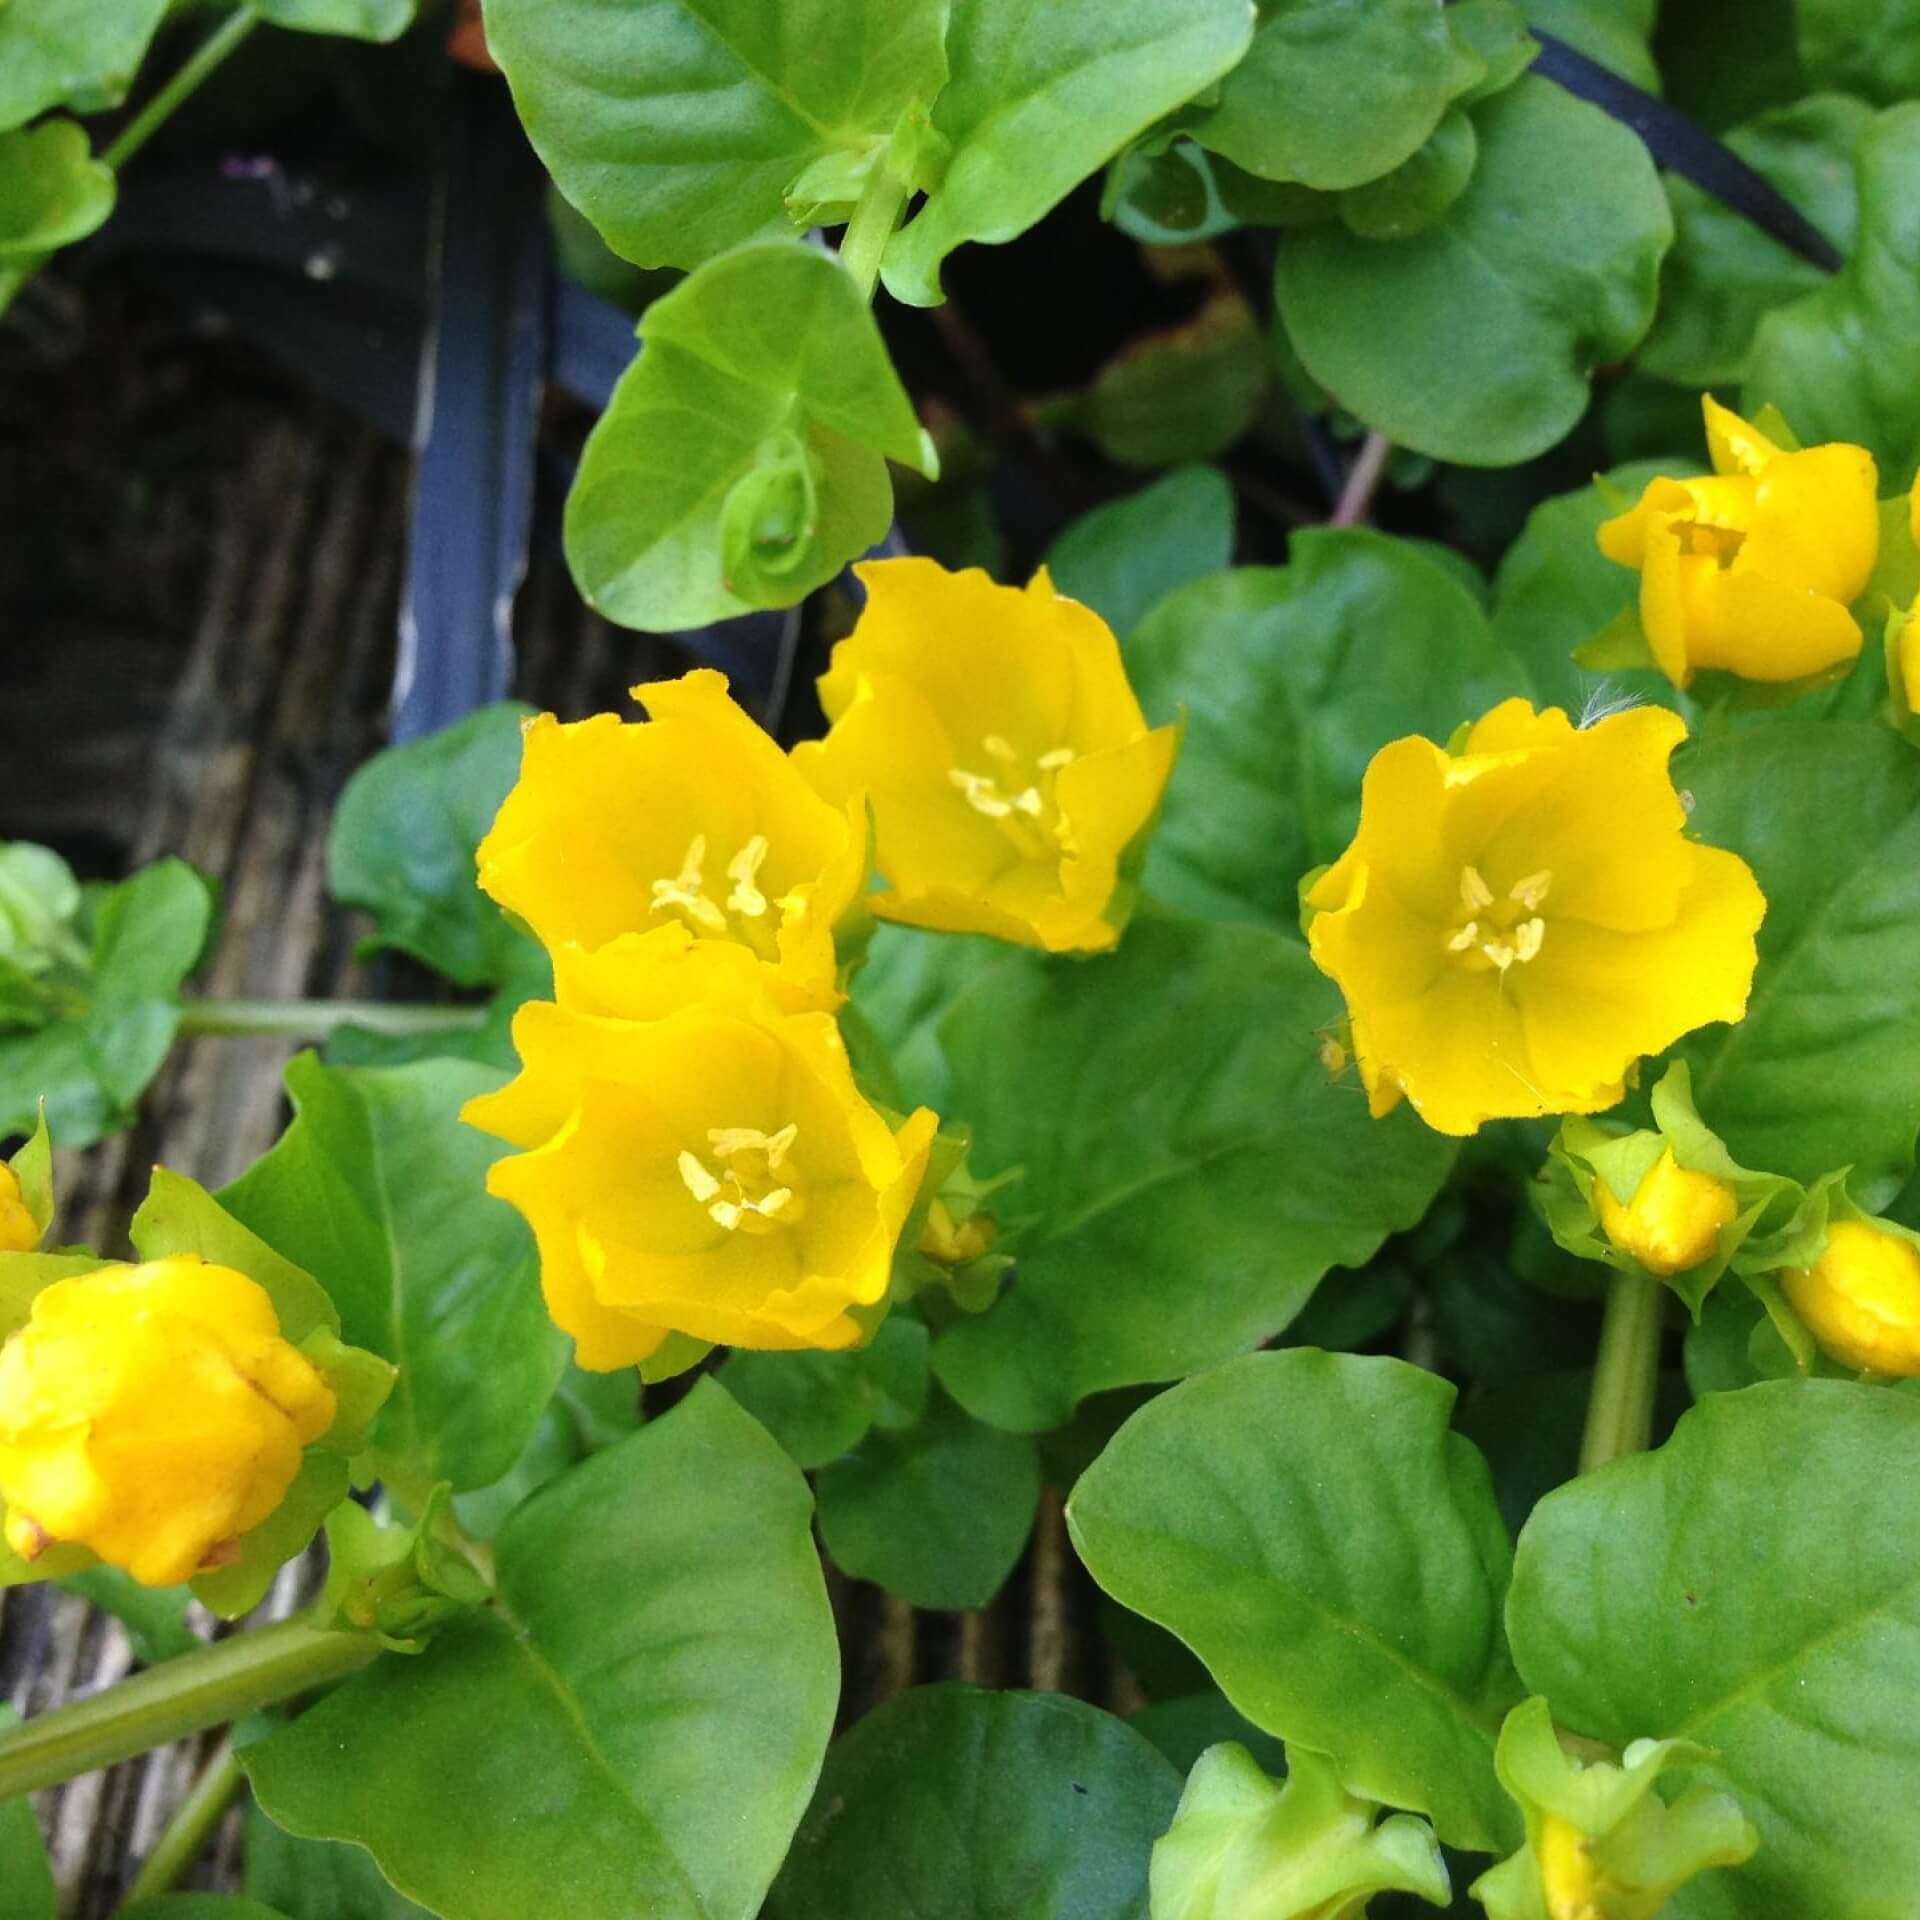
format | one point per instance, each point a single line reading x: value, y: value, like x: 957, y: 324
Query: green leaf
x: 1555, y: 589
x: 1291, y: 679
x: 1040, y: 99
x: 1824, y: 1072
x: 403, y: 841
x: 380, y: 1189
x: 588, y: 1411
x: 1613, y: 32
x: 977, y: 1806
x: 318, y: 1879
x: 155, y: 1617
x: 26, y: 1875
x: 1184, y: 1727
x: 1306, y: 1523
x: 683, y: 128
x: 937, y: 1512
x: 1473, y: 340
x: 821, y: 1405
x: 770, y: 341
x: 1122, y: 559
x: 1420, y: 189
x: 1726, y: 273
x: 1861, y: 46
x: 904, y: 988
x: 52, y: 190
x: 32, y: 1170
x: 639, y: 1733
x: 197, y: 1906
x: 80, y: 54
x: 353, y: 19
x: 1336, y: 92
x: 1751, y: 1587
x: 1149, y: 1095
x: 1843, y: 362
x: 321, y: 1484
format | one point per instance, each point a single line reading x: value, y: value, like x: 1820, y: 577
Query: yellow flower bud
x: 1861, y: 1298
x: 1752, y: 568
x: 1515, y: 924
x: 952, y: 1242
x: 1570, y: 1879
x: 19, y: 1233
x: 1674, y: 1218
x: 153, y: 1414
x: 1907, y: 658
x: 1006, y: 759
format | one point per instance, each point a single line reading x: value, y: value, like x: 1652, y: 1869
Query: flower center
x: 1495, y: 934
x: 1020, y: 796
x: 746, y: 914
x: 744, y: 1188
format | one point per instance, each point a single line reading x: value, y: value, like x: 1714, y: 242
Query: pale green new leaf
x: 676, y: 126
x: 1843, y: 362
x: 1040, y: 97
x: 1474, y: 339
x: 79, y: 54
x: 1154, y: 1098
x: 52, y: 190
x: 1752, y: 1587
x: 1306, y: 1523
x: 636, y: 1732
x: 771, y: 343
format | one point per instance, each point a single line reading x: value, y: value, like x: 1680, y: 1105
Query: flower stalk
x: 319, y: 1019
x: 1625, y: 1372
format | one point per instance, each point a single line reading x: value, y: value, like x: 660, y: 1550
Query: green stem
x: 180, y: 1845
x: 198, y: 65
x: 875, y: 215
x: 1625, y: 1371
x: 172, y: 1702
x: 317, y: 1019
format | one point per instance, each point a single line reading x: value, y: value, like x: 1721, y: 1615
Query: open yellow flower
x: 1753, y: 568
x: 1010, y: 770
x: 1516, y: 924
x: 153, y: 1414
x: 1861, y: 1298
x: 695, y: 818
x: 19, y: 1230
x: 697, y: 1160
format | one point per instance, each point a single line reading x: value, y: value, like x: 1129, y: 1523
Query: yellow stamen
x: 743, y: 869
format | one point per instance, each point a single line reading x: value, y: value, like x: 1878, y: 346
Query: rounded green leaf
x: 1039, y: 98
x: 52, y: 190
x: 638, y: 1731
x: 980, y: 1806
x: 1291, y: 679
x: 937, y: 1512
x: 1123, y: 558
x: 1752, y: 1587
x: 1843, y: 362
x: 1335, y: 92
x: 1307, y: 1524
x: 380, y: 1190
x: 1824, y: 1072
x: 1189, y: 1170
x: 1420, y: 189
x: 1613, y: 32
x: 677, y: 126
x: 353, y: 19
x: 80, y: 54
x: 1726, y: 273
x: 769, y: 344
x: 1473, y: 340
x: 819, y: 1405
x: 1869, y: 47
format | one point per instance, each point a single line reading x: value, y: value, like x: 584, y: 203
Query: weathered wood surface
x: 216, y: 715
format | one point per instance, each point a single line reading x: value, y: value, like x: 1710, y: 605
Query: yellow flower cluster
x: 1518, y: 922
x: 1753, y: 569
x: 94, y: 1450
x: 696, y: 1158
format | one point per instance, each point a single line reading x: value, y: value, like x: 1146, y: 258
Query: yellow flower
x: 1752, y: 569
x: 1861, y: 1298
x: 1673, y: 1220
x: 1907, y: 658
x: 153, y: 1414
x: 694, y: 819
x: 1514, y: 925
x: 1006, y: 759
x: 697, y: 1160
x: 1570, y: 1879
x: 19, y: 1231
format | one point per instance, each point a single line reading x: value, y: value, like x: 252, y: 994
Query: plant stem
x: 1363, y: 481
x: 1625, y: 1371
x: 317, y: 1019
x: 179, y: 1846
x: 875, y: 215
x: 185, y: 1696
x: 198, y: 65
